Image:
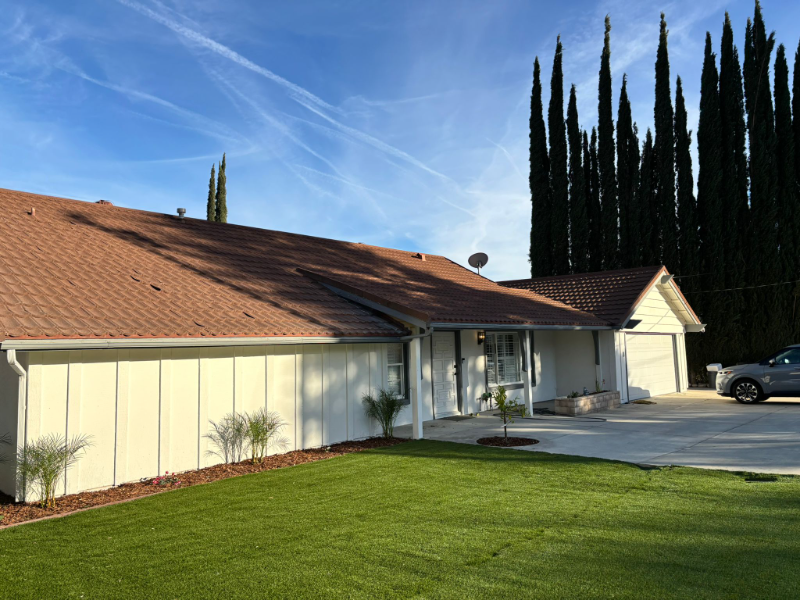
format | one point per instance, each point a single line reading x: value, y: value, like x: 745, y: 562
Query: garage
x: 651, y: 365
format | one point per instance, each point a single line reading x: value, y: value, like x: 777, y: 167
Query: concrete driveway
x: 696, y: 429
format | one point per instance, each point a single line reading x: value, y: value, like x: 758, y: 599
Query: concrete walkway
x: 697, y: 429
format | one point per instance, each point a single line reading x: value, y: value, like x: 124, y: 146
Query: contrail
x: 302, y: 96
x: 228, y: 53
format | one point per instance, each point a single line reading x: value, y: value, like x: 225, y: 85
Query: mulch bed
x: 13, y: 513
x: 499, y: 440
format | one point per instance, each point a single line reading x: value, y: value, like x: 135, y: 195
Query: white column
x: 620, y: 366
x: 527, y: 375
x: 416, y: 388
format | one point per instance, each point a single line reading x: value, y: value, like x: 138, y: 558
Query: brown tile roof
x: 86, y: 270
x: 609, y: 295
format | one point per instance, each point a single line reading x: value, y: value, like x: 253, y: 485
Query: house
x: 139, y: 328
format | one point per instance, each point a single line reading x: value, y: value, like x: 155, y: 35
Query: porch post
x: 620, y: 366
x: 416, y: 389
x: 527, y: 377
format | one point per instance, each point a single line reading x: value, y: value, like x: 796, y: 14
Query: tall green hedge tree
x: 665, y: 156
x: 578, y: 218
x: 559, y: 181
x: 541, y: 251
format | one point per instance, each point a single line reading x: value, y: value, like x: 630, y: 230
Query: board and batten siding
x: 656, y: 314
x: 148, y: 410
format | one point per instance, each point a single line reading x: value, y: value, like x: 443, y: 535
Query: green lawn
x: 429, y: 520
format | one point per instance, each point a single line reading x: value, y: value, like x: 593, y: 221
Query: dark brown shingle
x: 86, y: 270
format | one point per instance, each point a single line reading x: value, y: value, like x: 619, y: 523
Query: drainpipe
x: 11, y: 356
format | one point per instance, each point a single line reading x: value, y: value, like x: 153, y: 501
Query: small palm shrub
x: 385, y: 409
x: 229, y: 436
x: 42, y: 463
x: 262, y: 433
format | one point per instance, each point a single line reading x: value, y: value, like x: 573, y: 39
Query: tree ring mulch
x: 503, y: 442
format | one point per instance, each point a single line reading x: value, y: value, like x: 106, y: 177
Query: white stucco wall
x: 544, y: 359
x: 473, y: 370
x: 575, y: 362
x: 148, y: 410
x: 608, y: 370
x: 9, y: 386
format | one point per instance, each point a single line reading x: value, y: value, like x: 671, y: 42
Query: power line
x: 751, y: 287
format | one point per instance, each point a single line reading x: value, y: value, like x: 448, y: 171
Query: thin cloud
x: 228, y: 53
x: 305, y: 98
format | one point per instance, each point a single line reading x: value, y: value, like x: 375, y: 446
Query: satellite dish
x: 478, y: 260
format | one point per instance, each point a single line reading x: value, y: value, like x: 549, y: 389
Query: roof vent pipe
x: 181, y: 213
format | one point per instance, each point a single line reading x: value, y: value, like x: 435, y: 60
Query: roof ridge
x: 652, y: 268
x: 107, y: 204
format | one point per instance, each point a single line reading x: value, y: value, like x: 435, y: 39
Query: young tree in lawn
x: 628, y: 181
x: 541, y: 251
x: 609, y: 200
x: 687, y: 208
x: 595, y: 213
x: 559, y: 181
x: 221, y: 215
x: 647, y: 203
x: 665, y: 156
x: 579, y: 220
x: 211, y: 203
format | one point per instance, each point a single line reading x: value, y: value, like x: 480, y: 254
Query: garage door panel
x: 651, y: 365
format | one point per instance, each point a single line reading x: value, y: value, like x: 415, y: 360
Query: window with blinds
x: 502, y: 358
x: 395, y: 369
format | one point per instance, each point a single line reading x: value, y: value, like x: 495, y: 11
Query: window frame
x: 403, y: 393
x: 518, y: 350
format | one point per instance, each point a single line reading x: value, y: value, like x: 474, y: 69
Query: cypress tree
x: 540, y: 255
x: 595, y: 224
x: 579, y: 221
x: 763, y: 168
x: 665, y: 156
x: 796, y: 108
x: 647, y: 203
x: 687, y: 208
x: 796, y: 129
x: 211, y: 203
x: 788, y: 207
x: 734, y: 164
x: 609, y: 200
x: 628, y: 180
x: 764, y: 305
x: 587, y: 186
x: 709, y: 177
x: 222, y: 194
x: 559, y: 182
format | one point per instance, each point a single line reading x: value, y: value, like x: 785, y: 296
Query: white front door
x: 651, y: 365
x: 445, y: 395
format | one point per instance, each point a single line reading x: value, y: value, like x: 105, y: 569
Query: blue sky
x: 402, y: 124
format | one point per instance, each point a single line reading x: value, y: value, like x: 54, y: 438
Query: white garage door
x: 651, y: 365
